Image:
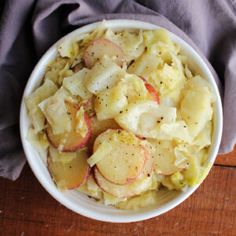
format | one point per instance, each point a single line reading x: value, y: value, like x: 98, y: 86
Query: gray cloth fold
x: 29, y: 27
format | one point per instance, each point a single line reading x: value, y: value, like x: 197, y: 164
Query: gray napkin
x: 28, y: 28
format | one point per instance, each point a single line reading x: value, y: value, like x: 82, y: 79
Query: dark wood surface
x: 27, y: 209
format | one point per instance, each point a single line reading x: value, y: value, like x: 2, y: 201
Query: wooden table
x: 27, y: 209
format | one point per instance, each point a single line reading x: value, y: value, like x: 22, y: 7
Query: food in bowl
x: 122, y: 117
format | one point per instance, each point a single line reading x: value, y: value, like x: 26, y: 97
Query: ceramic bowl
x: 79, y: 202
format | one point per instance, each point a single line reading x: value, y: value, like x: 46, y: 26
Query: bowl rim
x: 116, y: 24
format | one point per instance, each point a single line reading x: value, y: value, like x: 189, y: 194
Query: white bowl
x: 78, y: 202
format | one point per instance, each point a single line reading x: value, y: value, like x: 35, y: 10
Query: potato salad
x: 121, y: 117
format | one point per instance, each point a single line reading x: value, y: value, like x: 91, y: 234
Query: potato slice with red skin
x: 148, y: 167
x: 70, y: 141
x: 70, y: 173
x: 150, y: 162
x: 77, y: 67
x: 126, y: 161
x: 151, y: 90
x: 89, y: 106
x: 140, y: 185
x: 100, y: 126
x: 100, y: 47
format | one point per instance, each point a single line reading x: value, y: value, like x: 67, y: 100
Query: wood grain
x: 227, y: 160
x: 27, y: 209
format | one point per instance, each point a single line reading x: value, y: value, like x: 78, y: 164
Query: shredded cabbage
x: 145, y: 118
x: 104, y: 75
x: 55, y: 107
x: 75, y: 84
x: 130, y: 42
x: 47, y: 89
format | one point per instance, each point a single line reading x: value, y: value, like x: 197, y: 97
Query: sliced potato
x: 79, y: 134
x: 100, y: 126
x: 62, y: 157
x: 123, y: 191
x: 149, y: 164
x: 148, y: 167
x: 127, y: 157
x: 101, y: 152
x: 100, y: 47
x: 68, y: 171
x: 164, y: 157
